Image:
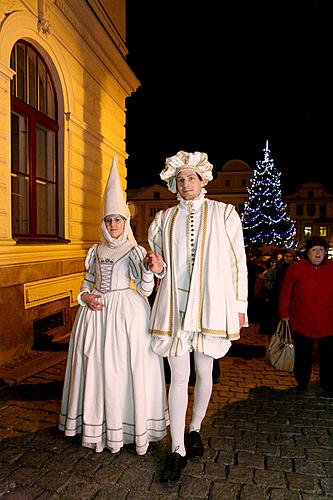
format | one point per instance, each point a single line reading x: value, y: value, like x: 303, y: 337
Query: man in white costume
x: 197, y: 249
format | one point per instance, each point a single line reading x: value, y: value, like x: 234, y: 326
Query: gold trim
x: 203, y: 241
x: 172, y: 223
x: 163, y: 333
x: 209, y: 331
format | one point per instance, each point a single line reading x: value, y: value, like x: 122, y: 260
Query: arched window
x: 34, y: 138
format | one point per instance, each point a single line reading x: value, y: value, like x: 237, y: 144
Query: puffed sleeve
x: 143, y: 277
x: 155, y: 233
x: 89, y: 279
x: 155, y: 239
x: 234, y: 232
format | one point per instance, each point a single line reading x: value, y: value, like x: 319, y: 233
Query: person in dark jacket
x: 306, y: 299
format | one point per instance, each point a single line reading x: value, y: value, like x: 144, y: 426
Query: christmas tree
x: 265, y: 220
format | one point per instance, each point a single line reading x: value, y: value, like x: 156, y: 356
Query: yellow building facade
x: 64, y: 80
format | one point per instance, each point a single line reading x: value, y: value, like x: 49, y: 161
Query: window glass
x: 311, y: 209
x: 31, y: 77
x: 41, y: 87
x: 323, y: 231
x: 13, y: 66
x: 20, y: 72
x: 299, y: 209
x: 20, y: 204
x: 322, y: 210
x: 46, y: 223
x: 34, y: 130
x: 19, y: 143
x: 50, y: 99
x: 45, y: 153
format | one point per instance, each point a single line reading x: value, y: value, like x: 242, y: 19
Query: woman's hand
x: 93, y: 301
x: 154, y: 261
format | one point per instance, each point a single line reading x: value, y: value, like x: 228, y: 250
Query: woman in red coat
x: 307, y: 300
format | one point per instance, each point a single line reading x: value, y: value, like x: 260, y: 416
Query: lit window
x: 323, y: 231
x: 34, y: 135
x: 307, y: 231
x: 227, y: 183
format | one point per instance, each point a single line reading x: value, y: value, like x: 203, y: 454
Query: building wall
x: 84, y: 47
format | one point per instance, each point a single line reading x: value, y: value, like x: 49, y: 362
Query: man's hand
x: 241, y: 318
x: 154, y: 261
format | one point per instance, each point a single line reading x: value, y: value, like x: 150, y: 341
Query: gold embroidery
x: 163, y: 333
x: 209, y: 331
x: 172, y: 224
x: 202, y: 250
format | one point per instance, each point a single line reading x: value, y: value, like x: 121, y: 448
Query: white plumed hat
x: 182, y: 161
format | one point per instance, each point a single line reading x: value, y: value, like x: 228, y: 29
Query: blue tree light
x: 265, y: 220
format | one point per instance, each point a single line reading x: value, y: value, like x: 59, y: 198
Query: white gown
x: 114, y: 389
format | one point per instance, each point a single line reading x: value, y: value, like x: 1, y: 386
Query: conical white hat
x: 114, y: 200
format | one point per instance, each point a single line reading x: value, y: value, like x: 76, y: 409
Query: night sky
x: 225, y: 77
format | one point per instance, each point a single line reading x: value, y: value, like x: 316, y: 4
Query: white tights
x: 178, y: 395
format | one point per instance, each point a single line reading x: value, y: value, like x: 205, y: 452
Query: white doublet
x: 205, y: 284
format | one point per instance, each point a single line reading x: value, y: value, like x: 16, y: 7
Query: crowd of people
x: 204, y: 288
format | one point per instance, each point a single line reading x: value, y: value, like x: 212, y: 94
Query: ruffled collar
x: 192, y: 204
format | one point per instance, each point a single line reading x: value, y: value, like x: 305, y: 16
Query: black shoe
x: 194, y: 446
x: 174, y: 465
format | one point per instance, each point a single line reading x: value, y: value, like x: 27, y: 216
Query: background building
x: 63, y: 84
x: 230, y: 186
x: 312, y: 209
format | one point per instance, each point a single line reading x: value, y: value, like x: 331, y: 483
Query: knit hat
x: 181, y: 161
x: 315, y: 241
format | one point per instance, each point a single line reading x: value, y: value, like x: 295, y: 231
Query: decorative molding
x: 49, y: 290
x: 108, y: 25
x: 6, y: 72
x: 44, y: 26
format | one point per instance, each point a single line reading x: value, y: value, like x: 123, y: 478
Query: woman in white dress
x: 114, y: 389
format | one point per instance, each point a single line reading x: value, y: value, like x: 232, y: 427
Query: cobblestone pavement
x: 263, y: 440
